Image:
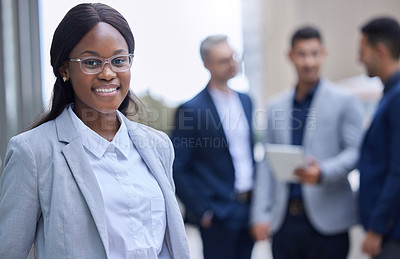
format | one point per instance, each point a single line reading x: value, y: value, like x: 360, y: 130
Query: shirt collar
x: 218, y: 94
x: 98, y: 145
x: 310, y: 94
x: 392, y: 81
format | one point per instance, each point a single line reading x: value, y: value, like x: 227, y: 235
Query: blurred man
x: 213, y: 168
x: 380, y: 154
x: 310, y: 219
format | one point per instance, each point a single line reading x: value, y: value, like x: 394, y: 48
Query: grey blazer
x: 49, y: 194
x: 332, y: 136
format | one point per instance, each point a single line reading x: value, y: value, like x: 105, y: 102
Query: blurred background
x: 167, y: 68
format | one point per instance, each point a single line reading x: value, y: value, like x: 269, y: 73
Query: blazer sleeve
x: 264, y: 184
x: 19, y: 201
x: 350, y: 130
x: 386, y: 210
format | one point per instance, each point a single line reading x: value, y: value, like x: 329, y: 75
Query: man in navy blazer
x: 213, y: 169
x: 379, y: 163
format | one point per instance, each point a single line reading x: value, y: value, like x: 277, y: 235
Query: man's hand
x: 206, y: 220
x: 310, y: 174
x: 260, y: 231
x: 372, y: 243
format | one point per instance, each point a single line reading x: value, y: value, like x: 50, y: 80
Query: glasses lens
x: 121, y: 63
x: 91, y: 65
x: 237, y: 58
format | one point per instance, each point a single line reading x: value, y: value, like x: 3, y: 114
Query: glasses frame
x: 104, y: 61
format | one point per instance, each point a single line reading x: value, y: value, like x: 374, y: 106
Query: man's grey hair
x: 210, y: 42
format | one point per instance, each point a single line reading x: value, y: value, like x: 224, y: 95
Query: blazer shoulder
x: 35, y: 144
x: 200, y: 100
x: 395, y: 95
x: 39, y: 135
x: 281, y: 100
x: 336, y: 90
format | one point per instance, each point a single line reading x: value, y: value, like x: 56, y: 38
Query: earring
x: 64, y: 79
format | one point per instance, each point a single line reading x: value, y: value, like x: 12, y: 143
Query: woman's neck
x: 104, y: 124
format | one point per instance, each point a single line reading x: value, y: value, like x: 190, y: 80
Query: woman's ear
x: 64, y: 71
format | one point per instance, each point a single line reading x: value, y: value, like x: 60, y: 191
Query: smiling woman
x: 86, y: 182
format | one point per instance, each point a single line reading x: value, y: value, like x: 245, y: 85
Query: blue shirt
x: 299, y: 120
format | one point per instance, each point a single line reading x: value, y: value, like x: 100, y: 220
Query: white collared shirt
x: 237, y: 132
x: 133, y: 201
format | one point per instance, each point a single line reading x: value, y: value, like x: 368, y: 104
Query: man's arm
x: 388, y: 202
x: 261, y: 205
x: 351, y: 130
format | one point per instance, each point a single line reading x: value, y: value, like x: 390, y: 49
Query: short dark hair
x: 385, y: 30
x: 73, y: 27
x: 305, y: 33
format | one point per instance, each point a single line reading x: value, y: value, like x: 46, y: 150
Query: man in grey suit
x: 310, y: 219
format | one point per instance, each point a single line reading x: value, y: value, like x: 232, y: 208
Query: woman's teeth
x: 108, y: 90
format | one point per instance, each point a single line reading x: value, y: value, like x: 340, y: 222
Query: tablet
x: 284, y: 159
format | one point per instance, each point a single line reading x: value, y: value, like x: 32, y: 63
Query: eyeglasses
x: 94, y: 65
x: 227, y: 60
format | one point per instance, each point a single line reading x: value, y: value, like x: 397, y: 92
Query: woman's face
x: 104, y: 91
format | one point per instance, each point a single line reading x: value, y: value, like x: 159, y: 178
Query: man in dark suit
x: 213, y: 168
x: 380, y: 154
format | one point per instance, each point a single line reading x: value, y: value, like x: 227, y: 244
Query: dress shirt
x: 237, y: 132
x: 133, y: 201
x: 299, y: 120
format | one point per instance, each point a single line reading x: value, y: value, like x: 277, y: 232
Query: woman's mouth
x: 105, y: 90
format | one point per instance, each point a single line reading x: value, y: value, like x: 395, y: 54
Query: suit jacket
x: 50, y: 196
x: 380, y: 166
x: 203, y: 169
x: 332, y: 136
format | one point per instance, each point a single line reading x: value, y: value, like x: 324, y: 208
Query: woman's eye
x: 92, y: 62
x: 119, y: 61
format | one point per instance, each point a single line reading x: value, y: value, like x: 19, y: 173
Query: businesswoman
x: 86, y: 182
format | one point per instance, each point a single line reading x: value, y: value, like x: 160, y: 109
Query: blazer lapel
x: 317, y: 108
x: 209, y: 107
x: 282, y: 124
x: 247, y: 109
x: 373, y: 120
x: 147, y: 151
x: 83, y: 174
